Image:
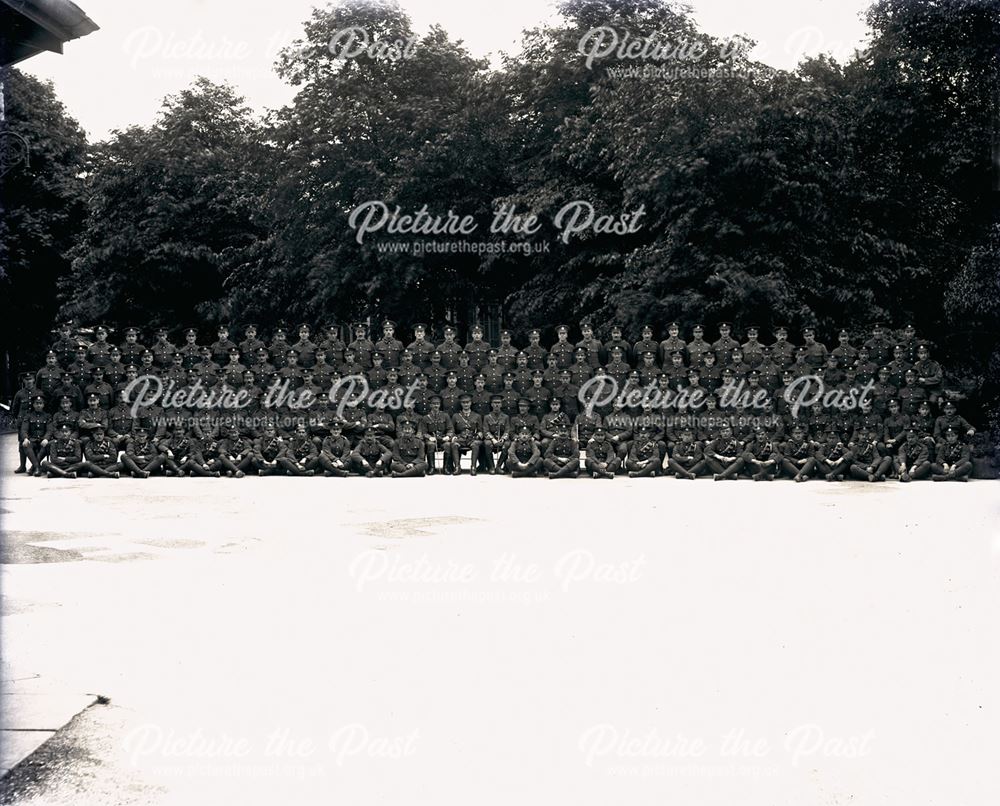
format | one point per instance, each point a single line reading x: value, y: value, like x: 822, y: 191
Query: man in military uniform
x: 468, y: 428
x: 97, y: 353
x: 867, y: 369
x: 509, y: 395
x: 686, y: 458
x: 121, y: 423
x: 176, y: 371
x: 911, y: 394
x: 235, y: 453
x: 524, y: 460
x: 894, y: 426
x: 725, y: 344
x: 100, y: 456
x: 477, y: 349
x: 222, y: 345
x: 20, y: 406
x: 371, y: 457
x: 525, y: 418
x: 867, y: 460
x: 879, y: 346
x: 381, y: 422
x: 537, y: 395
x: 647, y: 344
x: 377, y: 375
x: 335, y: 452
x: 92, y: 416
x: 910, y: 343
x: 550, y: 375
x: 844, y: 351
x: 208, y: 371
x: 48, y: 378
x: 266, y: 450
x: 952, y: 419
x: 80, y: 369
x: 562, y: 456
x: 929, y: 373
x: 65, y: 455
x: 782, y: 351
x: 299, y: 456
x: 898, y: 366
x: 162, y: 349
x: 643, y: 454
x: 616, y: 340
x: 697, y: 347
x: 420, y: 348
x: 496, y: 436
x: 480, y: 396
x: 648, y: 369
x: 562, y: 350
x: 98, y: 386
x: 953, y: 459
x: 305, y: 348
x: 740, y: 368
x: 362, y: 346
x: 761, y: 456
x: 132, y: 350
x: 593, y: 350
x: 913, y: 458
x: 798, y: 455
x: 389, y: 346
x: 451, y: 394
x: 619, y: 425
x: 142, y: 457
x: 580, y: 370
x: 753, y: 350
x: 507, y: 352
x: 66, y: 344
x: 553, y: 422
x: 601, y: 460
x: 408, y: 455
x: 232, y: 371
x: 672, y: 344
x: 291, y: 372
x: 724, y: 455
x: 568, y: 394
x: 438, y: 432
x: 114, y: 371
x: 617, y: 368
x: 815, y: 351
x: 251, y: 346
x: 493, y: 373
x: 66, y: 413
x: 436, y: 372
x: 33, y: 436
x: 449, y: 348
x: 534, y: 351
x: 832, y: 456
x: 465, y: 373
x: 191, y: 351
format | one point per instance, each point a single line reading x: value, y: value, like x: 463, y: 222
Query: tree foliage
x: 41, y: 213
x: 170, y: 208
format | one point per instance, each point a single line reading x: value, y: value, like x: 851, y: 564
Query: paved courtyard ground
x: 492, y: 641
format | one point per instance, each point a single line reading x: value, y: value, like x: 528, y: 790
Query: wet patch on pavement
x: 17, y: 548
x: 412, y: 527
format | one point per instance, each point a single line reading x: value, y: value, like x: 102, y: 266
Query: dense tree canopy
x: 171, y: 207
x: 41, y: 212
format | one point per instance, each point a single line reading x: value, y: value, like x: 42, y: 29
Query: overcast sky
x: 148, y: 49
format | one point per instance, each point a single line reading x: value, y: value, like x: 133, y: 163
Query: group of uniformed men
x: 480, y: 408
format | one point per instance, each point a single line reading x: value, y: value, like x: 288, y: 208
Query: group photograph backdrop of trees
x: 833, y: 195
